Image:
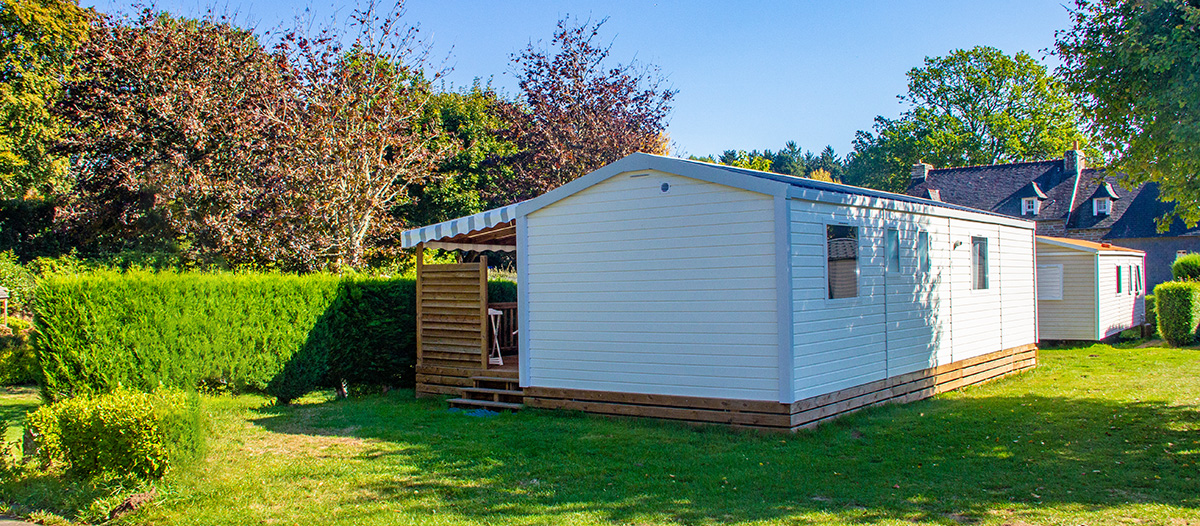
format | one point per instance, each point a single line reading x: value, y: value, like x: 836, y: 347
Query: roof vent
x: 1105, y: 245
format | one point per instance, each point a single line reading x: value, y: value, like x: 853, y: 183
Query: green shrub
x: 123, y: 432
x: 18, y: 363
x: 1186, y: 267
x: 18, y: 280
x: 1178, y: 311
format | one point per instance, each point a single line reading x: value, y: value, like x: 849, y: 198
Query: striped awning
x: 446, y: 231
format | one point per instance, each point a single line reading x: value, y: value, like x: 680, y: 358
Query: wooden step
x: 503, y: 379
x: 497, y: 395
x: 465, y: 403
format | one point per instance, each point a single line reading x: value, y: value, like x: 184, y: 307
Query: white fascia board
x: 1068, y: 246
x: 646, y: 162
x: 476, y: 247
x: 881, y: 203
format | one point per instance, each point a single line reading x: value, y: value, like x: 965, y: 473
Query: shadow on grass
x: 12, y: 410
x: 948, y: 460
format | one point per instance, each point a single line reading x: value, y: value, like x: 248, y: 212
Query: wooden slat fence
x: 452, y: 325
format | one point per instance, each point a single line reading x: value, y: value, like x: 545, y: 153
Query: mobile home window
x: 842, y: 260
x: 1119, y: 279
x: 923, y: 251
x: 1049, y: 282
x: 979, y: 263
x: 893, y: 250
x: 1137, y: 277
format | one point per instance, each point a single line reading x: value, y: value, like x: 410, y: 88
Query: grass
x: 1095, y: 435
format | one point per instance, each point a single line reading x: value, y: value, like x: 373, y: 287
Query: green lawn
x: 1093, y: 436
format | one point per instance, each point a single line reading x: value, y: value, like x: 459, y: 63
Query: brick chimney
x: 920, y: 171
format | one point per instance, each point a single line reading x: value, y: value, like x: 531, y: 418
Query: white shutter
x: 1050, y: 282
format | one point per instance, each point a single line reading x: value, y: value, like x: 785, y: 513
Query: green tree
x: 1136, y: 67
x: 971, y: 107
x: 791, y: 160
x: 37, y: 41
x: 464, y: 182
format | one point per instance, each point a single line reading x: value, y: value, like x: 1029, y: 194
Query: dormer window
x: 1102, y: 200
x: 1031, y: 199
x: 1030, y: 206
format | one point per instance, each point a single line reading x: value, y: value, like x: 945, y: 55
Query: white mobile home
x: 1088, y: 291
x: 670, y: 288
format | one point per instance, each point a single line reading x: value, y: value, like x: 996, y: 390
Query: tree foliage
x: 169, y: 147
x: 1135, y: 66
x: 577, y: 113
x: 465, y: 182
x: 358, y: 139
x: 971, y: 107
x: 192, y: 137
x: 197, y: 139
x: 37, y: 41
x: 790, y: 160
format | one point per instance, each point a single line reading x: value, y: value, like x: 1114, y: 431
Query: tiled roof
x: 1141, y: 224
x: 999, y: 189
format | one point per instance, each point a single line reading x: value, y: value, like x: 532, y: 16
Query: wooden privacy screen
x: 452, y: 325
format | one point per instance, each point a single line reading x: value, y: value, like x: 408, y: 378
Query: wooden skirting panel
x: 802, y: 414
x: 445, y: 379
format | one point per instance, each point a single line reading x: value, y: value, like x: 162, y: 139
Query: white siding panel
x: 635, y: 290
x: 1074, y: 316
x: 1018, y: 287
x: 1119, y: 310
x: 838, y: 343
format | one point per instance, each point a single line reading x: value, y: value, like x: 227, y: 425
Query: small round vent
x: 666, y: 187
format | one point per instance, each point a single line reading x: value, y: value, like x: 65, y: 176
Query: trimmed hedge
x: 1186, y: 267
x: 1178, y: 311
x: 262, y: 332
x: 122, y: 433
x: 282, y: 334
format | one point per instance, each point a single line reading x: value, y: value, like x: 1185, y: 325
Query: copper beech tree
x: 578, y: 113
x: 191, y: 137
x: 168, y: 150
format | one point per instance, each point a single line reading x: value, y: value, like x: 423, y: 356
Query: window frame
x: 857, y: 261
x: 1120, y: 281
x: 891, y: 246
x: 924, y: 255
x: 1096, y: 208
x: 975, y: 265
x: 1061, y: 282
x: 1030, y: 206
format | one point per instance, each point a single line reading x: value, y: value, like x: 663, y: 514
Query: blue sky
x: 750, y: 74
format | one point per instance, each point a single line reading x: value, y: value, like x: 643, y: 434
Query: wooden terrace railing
x: 507, y: 326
